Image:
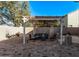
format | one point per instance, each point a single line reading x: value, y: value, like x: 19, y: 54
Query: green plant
x: 7, y: 35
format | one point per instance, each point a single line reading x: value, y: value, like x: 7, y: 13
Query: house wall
x: 73, y: 19
x: 65, y: 20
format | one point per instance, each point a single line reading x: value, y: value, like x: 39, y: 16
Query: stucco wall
x: 12, y: 30
x: 73, y: 19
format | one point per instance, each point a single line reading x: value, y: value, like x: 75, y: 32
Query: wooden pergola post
x: 25, y: 19
x: 24, y: 34
x: 61, y: 31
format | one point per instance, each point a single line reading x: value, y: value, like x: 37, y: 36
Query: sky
x: 52, y: 8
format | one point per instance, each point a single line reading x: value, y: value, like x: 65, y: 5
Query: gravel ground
x: 14, y: 48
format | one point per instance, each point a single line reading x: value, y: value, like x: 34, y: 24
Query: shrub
x: 18, y: 34
x: 7, y: 35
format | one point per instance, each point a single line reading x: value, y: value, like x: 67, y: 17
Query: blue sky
x: 52, y: 8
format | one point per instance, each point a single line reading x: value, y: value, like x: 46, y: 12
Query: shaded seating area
x: 44, y: 33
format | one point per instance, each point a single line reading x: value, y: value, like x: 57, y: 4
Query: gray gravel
x: 38, y: 48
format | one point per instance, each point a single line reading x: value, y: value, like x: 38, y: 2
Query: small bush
x: 7, y: 35
x: 18, y: 34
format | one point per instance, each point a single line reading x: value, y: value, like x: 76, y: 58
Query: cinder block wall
x: 73, y: 30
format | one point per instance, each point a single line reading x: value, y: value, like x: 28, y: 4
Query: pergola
x: 26, y: 18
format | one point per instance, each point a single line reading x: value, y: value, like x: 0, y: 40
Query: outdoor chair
x: 39, y: 36
x: 44, y: 36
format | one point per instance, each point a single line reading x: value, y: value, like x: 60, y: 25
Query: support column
x: 61, y: 32
x: 24, y: 34
x: 34, y: 28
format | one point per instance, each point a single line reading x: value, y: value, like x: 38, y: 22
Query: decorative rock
x: 68, y: 40
x: 38, y: 49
